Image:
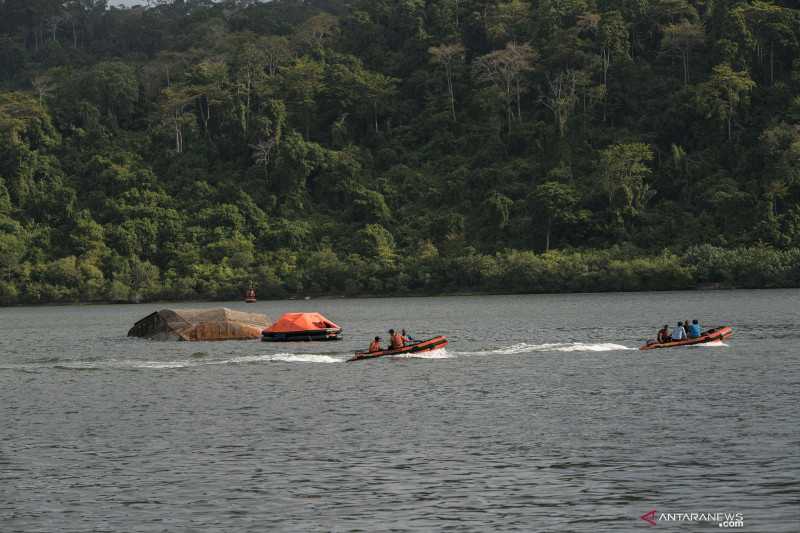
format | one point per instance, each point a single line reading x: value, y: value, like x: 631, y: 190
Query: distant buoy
x: 251, y: 296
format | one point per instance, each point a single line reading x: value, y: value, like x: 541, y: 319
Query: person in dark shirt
x: 663, y: 335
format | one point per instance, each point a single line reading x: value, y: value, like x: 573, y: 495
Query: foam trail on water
x: 525, y: 347
x: 304, y: 358
x: 132, y: 364
x: 441, y: 353
x: 713, y: 344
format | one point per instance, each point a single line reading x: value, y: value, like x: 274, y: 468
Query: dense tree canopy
x: 191, y: 148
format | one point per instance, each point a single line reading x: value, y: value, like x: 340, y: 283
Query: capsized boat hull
x: 422, y: 346
x: 303, y: 336
x: 715, y: 334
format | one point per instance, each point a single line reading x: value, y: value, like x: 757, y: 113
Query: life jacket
x: 375, y: 346
x: 397, y: 341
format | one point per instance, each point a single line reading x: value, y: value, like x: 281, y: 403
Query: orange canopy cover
x: 292, y: 322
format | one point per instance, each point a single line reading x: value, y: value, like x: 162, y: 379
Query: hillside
x: 190, y: 149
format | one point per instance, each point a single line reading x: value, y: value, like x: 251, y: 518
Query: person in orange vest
x: 375, y: 346
x: 395, y: 340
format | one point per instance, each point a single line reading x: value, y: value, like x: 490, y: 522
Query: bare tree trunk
x: 771, y: 63
x: 449, y: 73
x: 686, y: 67
x: 606, y: 65
x: 547, y: 239
x: 178, y: 134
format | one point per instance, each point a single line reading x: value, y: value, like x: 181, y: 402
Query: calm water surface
x: 540, y: 415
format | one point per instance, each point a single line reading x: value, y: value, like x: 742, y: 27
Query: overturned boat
x: 302, y: 327
x: 218, y: 324
x: 713, y: 335
x: 429, y: 345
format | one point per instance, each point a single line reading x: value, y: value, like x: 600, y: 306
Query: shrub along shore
x: 323, y: 273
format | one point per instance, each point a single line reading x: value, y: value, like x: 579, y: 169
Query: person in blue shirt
x: 679, y: 334
x: 694, y: 329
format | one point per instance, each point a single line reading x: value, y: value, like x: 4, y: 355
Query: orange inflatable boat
x: 716, y: 334
x: 422, y: 346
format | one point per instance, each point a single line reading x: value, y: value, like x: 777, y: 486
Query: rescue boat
x: 712, y: 335
x: 417, y: 347
x: 294, y: 327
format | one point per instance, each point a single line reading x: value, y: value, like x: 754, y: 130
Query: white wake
x: 525, y: 347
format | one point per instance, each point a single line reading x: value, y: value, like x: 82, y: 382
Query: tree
x: 623, y: 169
x: 508, y: 20
x: 302, y: 82
x: 560, y: 98
x: 780, y: 145
x: 113, y: 87
x: 375, y: 242
x: 277, y: 52
x: 43, y: 84
x: 724, y: 93
x: 556, y: 202
x: 207, y: 84
x: 773, y: 27
x: 174, y: 106
x: 683, y: 37
x: 504, y: 70
x: 271, y: 131
x: 378, y: 90
x: 317, y: 30
x: 12, y: 249
x: 448, y: 56
x: 613, y: 41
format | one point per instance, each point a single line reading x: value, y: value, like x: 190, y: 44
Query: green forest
x: 190, y: 149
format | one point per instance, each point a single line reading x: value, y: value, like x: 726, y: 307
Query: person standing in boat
x: 663, y: 335
x: 679, y: 333
x: 395, y: 340
x: 694, y: 330
x: 375, y: 345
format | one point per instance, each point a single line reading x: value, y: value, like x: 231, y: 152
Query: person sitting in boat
x: 663, y: 335
x: 375, y: 345
x: 679, y: 334
x: 407, y: 339
x: 694, y: 329
x: 395, y: 340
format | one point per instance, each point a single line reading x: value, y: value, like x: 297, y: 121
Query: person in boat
x: 375, y: 345
x: 694, y: 329
x: 407, y: 339
x: 679, y: 333
x: 395, y: 340
x: 663, y: 335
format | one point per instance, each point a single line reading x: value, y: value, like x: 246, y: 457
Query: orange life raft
x: 302, y: 327
x: 716, y: 334
x: 417, y: 347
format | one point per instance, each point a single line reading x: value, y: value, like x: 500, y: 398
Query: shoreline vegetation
x: 323, y: 275
x: 188, y: 149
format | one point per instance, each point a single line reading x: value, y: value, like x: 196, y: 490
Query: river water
x: 539, y: 415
